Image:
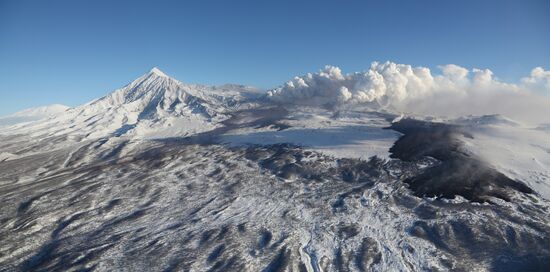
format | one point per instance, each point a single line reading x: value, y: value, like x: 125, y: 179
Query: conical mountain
x: 153, y: 105
x: 152, y: 96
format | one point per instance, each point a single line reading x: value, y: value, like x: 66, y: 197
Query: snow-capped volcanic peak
x: 157, y: 72
x: 150, y: 85
x: 153, y: 105
x: 155, y: 92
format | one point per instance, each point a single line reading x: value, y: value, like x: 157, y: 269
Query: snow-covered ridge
x: 152, y: 105
x: 485, y: 120
x: 518, y: 151
x: 157, y: 72
x: 48, y: 110
x: 33, y: 114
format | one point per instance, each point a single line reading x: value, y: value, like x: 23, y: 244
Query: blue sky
x: 70, y: 52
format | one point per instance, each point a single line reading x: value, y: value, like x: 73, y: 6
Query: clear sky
x: 72, y: 51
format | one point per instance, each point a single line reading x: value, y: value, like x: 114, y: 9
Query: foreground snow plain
x: 160, y: 175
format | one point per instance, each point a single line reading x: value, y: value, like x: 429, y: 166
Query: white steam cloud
x: 400, y: 87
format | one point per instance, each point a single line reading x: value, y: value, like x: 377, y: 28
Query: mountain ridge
x: 151, y: 105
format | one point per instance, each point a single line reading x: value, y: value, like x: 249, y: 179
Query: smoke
x: 399, y: 87
x: 538, y: 80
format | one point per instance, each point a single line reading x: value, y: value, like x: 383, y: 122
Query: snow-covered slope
x: 153, y: 105
x: 125, y: 204
x: 33, y: 114
x: 342, y: 134
x: 520, y: 152
x: 165, y: 175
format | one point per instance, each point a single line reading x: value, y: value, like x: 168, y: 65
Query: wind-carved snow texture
x: 199, y: 202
